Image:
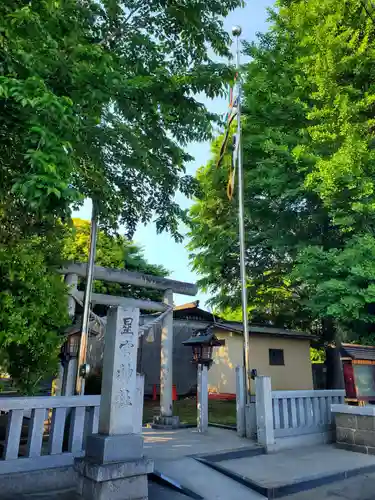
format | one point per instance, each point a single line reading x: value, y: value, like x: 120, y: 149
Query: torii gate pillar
x: 166, y: 418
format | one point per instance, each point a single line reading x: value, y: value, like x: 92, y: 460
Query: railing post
x: 251, y: 419
x: 13, y: 434
x: 56, y: 437
x: 91, y: 423
x: 138, y: 407
x: 240, y: 401
x: 202, y: 417
x: 77, y: 424
x: 264, y: 412
x: 36, y: 430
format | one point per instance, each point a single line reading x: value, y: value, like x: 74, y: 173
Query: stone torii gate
x: 168, y: 286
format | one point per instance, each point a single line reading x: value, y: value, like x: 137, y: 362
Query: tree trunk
x: 334, y: 374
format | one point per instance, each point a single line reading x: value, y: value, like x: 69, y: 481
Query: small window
x: 276, y: 357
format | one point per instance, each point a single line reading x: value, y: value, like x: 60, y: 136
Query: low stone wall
x: 38, y: 482
x: 355, y: 428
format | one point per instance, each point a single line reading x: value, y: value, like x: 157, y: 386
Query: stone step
x: 292, y: 471
x: 203, y: 481
x: 354, y: 488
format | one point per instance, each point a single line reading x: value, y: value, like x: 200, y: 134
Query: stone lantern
x: 202, y: 343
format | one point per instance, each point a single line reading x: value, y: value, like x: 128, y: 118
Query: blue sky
x: 160, y: 248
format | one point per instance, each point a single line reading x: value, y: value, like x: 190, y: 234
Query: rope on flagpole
x: 229, y: 119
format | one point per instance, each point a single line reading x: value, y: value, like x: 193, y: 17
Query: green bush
x: 33, y: 313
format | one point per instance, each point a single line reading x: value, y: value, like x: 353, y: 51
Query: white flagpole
x: 236, y: 31
x: 80, y: 378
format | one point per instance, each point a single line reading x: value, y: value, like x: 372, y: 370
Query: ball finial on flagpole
x: 236, y: 30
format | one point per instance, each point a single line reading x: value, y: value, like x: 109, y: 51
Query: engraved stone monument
x: 114, y: 467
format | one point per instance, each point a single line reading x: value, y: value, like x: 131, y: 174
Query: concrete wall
x: 355, y: 428
x: 222, y: 374
x: 39, y: 481
x: 296, y: 374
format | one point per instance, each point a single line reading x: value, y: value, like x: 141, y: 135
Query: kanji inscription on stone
x: 119, y: 372
x: 127, y: 326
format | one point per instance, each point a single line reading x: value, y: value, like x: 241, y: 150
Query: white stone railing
x: 56, y: 430
x: 303, y: 412
x: 286, y: 419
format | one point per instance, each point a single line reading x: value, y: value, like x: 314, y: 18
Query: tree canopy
x: 97, y: 101
x: 308, y: 159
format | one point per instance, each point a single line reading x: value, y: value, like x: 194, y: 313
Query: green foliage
x: 336, y: 62
x: 113, y: 251
x: 33, y: 313
x: 317, y: 355
x: 280, y: 214
x: 96, y: 101
x: 340, y: 282
x: 309, y: 177
x: 368, y: 339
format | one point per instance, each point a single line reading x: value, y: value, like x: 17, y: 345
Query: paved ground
x: 158, y: 492
x: 300, y: 464
x: 356, y: 488
x: 173, y: 451
x: 169, y: 445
